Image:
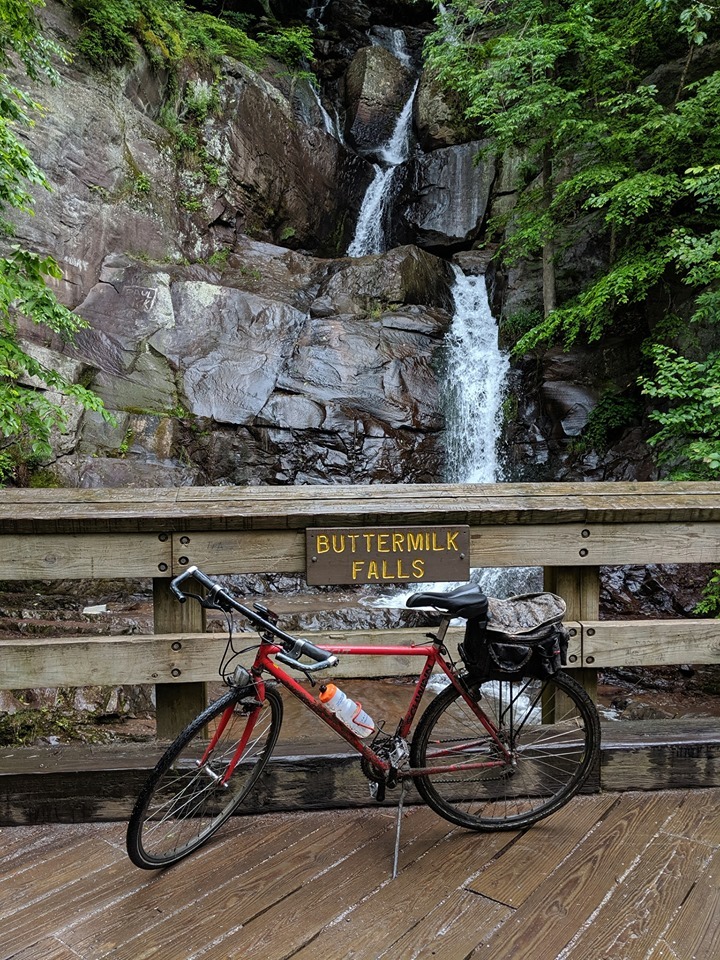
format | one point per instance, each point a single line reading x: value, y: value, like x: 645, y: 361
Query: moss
x: 25, y: 727
x: 44, y: 480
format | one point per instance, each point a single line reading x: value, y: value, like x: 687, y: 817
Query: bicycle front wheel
x: 184, y: 800
x: 546, y: 745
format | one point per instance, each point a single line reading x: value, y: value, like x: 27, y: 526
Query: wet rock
x: 377, y: 85
x: 450, y: 195
x: 212, y: 382
x: 437, y: 119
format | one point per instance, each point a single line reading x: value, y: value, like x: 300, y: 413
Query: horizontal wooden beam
x: 106, y: 556
x: 243, y: 508
x: 95, y: 783
x: 189, y: 658
x: 85, y: 556
x: 185, y: 658
x: 615, y: 643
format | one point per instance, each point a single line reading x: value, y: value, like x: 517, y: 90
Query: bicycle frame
x: 433, y: 658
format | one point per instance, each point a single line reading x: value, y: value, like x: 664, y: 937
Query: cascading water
x: 370, y: 228
x: 474, y: 376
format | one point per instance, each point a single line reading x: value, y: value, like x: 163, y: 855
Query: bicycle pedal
x: 249, y: 704
x: 377, y: 791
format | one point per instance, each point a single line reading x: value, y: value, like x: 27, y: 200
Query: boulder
x: 437, y: 119
x: 449, y: 196
x: 377, y: 86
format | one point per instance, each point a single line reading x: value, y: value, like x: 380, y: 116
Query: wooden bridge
x: 618, y: 874
x: 609, y: 877
x: 568, y: 529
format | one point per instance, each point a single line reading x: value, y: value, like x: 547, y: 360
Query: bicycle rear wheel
x: 183, y: 802
x: 550, y: 733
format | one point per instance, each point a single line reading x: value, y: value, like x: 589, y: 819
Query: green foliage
x: 688, y: 392
x: 170, y: 31
x: 292, y: 46
x: 564, y: 84
x: 28, y: 413
x: 613, y: 414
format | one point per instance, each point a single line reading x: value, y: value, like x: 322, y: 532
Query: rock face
x: 230, y: 337
x: 376, y: 87
x: 225, y: 379
x: 450, y: 196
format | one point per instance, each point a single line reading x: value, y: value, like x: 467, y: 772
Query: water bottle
x: 351, y: 713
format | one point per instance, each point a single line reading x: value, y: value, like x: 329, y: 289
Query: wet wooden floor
x: 616, y: 876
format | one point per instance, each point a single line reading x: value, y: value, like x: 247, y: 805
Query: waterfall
x: 475, y: 370
x: 316, y: 13
x: 370, y: 228
x: 474, y: 373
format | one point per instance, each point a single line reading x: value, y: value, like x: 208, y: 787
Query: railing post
x: 176, y: 704
x: 580, y: 589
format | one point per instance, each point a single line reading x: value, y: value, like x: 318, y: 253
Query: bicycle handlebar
x: 294, y: 647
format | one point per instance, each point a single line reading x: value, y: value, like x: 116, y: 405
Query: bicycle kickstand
x: 403, y: 788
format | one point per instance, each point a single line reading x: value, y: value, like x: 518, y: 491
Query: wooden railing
x: 570, y: 530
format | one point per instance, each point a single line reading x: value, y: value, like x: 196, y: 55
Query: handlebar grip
x: 186, y: 575
x: 314, y: 653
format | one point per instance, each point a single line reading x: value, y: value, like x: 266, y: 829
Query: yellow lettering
x: 357, y: 568
x: 435, y: 543
x: 414, y: 541
x: 368, y: 540
x: 398, y: 542
x: 322, y: 543
x: 372, y: 573
x: 338, y: 543
x: 400, y: 574
x: 353, y: 538
x: 382, y: 540
x: 452, y: 540
x: 418, y: 567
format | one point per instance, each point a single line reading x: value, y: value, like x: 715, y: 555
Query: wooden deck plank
x: 185, y: 903
x: 46, y: 949
x: 549, y: 918
x: 185, y: 889
x: 334, y: 889
x: 696, y: 818
x: 635, y: 914
x: 513, y: 877
x: 451, y: 929
x: 642, y: 882
x: 446, y: 866
x: 237, y: 895
x: 694, y: 931
x: 286, y: 928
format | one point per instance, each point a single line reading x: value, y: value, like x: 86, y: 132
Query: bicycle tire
x: 551, y: 730
x: 181, y: 805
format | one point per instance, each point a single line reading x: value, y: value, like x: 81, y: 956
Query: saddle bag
x: 522, y: 636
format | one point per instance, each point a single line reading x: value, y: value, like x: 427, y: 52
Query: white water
x: 474, y: 375
x: 316, y: 13
x: 370, y: 228
x: 395, y: 41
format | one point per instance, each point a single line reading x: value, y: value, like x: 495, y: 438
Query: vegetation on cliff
x: 614, y: 110
x: 28, y: 414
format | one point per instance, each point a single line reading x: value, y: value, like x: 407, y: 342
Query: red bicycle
x: 499, y: 748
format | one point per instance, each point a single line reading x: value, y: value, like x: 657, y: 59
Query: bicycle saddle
x: 466, y: 601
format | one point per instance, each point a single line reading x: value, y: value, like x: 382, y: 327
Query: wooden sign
x: 338, y: 555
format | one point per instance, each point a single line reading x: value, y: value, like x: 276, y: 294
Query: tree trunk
x: 548, y: 251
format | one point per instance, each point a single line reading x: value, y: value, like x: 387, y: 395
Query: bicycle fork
x: 252, y: 717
